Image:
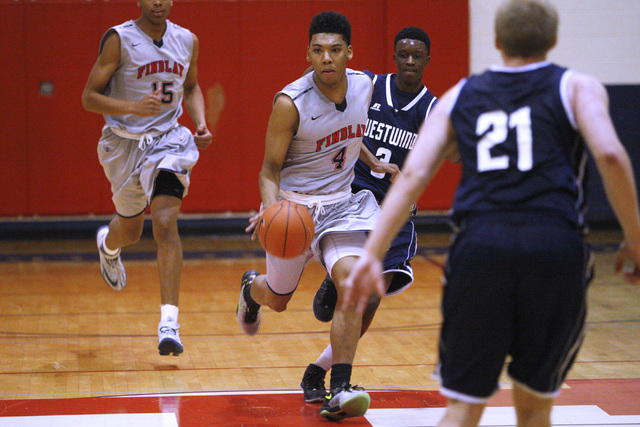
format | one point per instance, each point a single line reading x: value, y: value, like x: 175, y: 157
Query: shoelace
x: 168, y: 330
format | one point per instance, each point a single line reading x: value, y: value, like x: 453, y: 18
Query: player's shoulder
x: 178, y: 29
x: 300, y: 87
x: 359, y: 79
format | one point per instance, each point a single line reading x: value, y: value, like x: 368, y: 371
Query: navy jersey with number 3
x: 518, y: 154
x: 394, y: 119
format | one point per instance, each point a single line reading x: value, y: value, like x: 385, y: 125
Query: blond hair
x: 526, y: 28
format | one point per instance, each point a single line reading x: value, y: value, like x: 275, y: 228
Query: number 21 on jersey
x: 496, y: 124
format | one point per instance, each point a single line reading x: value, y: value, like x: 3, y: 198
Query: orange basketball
x: 286, y: 229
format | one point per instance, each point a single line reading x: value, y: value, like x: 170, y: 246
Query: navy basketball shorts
x: 398, y: 259
x: 514, y: 291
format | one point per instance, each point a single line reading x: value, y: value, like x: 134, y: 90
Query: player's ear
x: 349, y: 52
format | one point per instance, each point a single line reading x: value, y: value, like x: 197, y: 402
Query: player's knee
x: 278, y: 303
x: 374, y: 303
x: 130, y: 236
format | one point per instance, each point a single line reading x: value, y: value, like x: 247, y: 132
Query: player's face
x: 328, y: 54
x: 411, y: 57
x: 155, y: 11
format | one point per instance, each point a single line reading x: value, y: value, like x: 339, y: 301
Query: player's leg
x: 119, y: 233
x: 461, y: 414
x: 165, y: 207
x: 119, y: 158
x: 551, y: 313
x: 397, y: 277
x: 312, y: 383
x: 531, y: 410
x: 339, y: 254
x: 273, y: 289
x: 477, y: 329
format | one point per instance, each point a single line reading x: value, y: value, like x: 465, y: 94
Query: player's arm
x: 93, y: 98
x: 281, y: 128
x: 194, y: 101
x: 375, y: 164
x: 421, y: 164
x: 590, y: 103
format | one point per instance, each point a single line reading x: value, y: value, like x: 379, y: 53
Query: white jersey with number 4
x: 145, y: 66
x: 323, y: 152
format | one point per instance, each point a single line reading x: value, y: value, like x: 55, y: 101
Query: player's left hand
x: 390, y: 168
x: 202, y: 137
x: 364, y: 280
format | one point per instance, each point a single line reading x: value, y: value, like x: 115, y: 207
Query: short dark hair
x: 413, y: 33
x: 331, y: 22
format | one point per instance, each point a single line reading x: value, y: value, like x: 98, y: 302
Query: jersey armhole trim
x: 564, y: 97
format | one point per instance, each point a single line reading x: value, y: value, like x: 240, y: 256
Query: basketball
x: 286, y: 229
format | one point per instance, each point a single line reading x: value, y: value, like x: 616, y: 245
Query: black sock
x: 340, y: 375
x: 246, y: 291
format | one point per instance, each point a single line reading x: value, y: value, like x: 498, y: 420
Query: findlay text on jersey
x: 161, y: 66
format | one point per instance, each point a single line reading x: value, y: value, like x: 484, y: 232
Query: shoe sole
x: 169, y: 347
x: 355, y: 407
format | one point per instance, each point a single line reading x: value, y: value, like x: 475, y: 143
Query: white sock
x: 325, y: 359
x: 108, y: 251
x: 168, y: 313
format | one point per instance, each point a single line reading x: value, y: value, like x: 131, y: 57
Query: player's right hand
x: 365, y: 280
x: 628, y: 263
x: 150, y: 105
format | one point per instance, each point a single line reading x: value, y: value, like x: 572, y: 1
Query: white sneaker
x: 345, y: 402
x: 169, y: 339
x: 111, y: 266
x: 249, y: 316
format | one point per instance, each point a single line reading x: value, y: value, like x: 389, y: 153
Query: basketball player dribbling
x: 313, y: 140
x: 399, y: 105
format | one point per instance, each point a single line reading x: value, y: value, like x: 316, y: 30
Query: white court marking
x: 575, y: 416
x: 95, y: 420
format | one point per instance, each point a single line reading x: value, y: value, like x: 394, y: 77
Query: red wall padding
x: 248, y: 51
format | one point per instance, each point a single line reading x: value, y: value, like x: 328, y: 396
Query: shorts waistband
x: 517, y: 218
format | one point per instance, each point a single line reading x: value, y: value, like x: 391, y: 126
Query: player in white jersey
x: 400, y: 103
x: 144, y: 71
x: 313, y: 140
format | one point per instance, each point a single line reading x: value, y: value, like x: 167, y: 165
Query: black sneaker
x: 324, y: 302
x: 249, y: 315
x: 345, y: 402
x: 313, y: 384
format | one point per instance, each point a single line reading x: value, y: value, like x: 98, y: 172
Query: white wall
x: 598, y: 37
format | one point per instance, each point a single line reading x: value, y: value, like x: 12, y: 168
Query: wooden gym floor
x: 77, y: 353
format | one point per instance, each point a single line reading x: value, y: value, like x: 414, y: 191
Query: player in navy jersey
x: 144, y: 71
x: 399, y: 104
x: 519, y: 267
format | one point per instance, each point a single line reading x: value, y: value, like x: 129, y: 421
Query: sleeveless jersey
x: 145, y: 67
x: 518, y: 144
x: 393, y: 122
x: 322, y: 153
